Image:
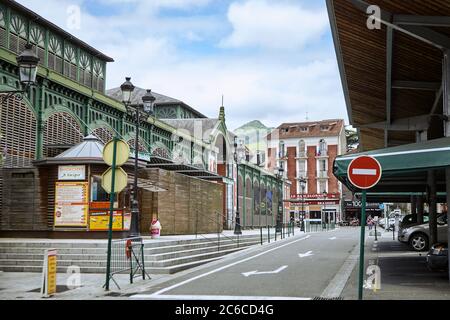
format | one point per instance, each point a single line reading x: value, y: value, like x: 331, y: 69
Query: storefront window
x: 97, y: 192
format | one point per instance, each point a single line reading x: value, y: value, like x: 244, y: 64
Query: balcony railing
x: 322, y: 153
x: 301, y: 174
x: 301, y: 154
x: 322, y: 174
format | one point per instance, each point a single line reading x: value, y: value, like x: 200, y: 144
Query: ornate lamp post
x: 237, y: 225
x: 303, y: 186
x: 139, y: 113
x: 279, y: 174
x: 27, y: 61
x: 325, y: 206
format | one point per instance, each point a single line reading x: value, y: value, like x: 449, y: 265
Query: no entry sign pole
x: 361, y: 246
x: 363, y: 172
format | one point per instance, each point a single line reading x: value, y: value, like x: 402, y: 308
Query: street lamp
x: 27, y: 62
x: 237, y: 225
x: 139, y: 113
x: 279, y: 174
x: 325, y: 205
x: 303, y: 186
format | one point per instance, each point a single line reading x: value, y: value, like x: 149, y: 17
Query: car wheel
x: 419, y: 242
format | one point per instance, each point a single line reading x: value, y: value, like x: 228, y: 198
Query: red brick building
x: 306, y: 151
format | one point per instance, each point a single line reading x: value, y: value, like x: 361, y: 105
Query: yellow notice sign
x: 49, y: 273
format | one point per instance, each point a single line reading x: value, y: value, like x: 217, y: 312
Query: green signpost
x: 110, y: 156
x: 363, y: 172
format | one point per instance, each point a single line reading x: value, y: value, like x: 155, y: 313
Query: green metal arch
x: 24, y: 98
x: 49, y: 111
x: 100, y: 124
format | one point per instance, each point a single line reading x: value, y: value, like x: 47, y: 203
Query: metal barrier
x: 127, y: 256
x: 316, y: 226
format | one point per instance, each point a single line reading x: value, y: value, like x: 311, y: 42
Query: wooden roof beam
x: 428, y: 21
x: 417, y: 123
x: 389, y: 46
x: 416, y: 85
x: 424, y: 34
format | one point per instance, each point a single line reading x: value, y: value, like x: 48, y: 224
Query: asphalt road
x: 299, y: 267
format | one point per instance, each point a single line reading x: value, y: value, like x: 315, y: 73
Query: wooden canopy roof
x: 392, y: 76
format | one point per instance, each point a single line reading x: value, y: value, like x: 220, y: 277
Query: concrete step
x: 211, y: 246
x: 149, y: 270
x: 102, y: 254
x: 160, y: 256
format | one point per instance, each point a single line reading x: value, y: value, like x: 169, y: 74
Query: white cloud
x: 275, y: 25
x: 274, y: 88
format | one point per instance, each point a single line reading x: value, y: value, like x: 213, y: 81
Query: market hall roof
x: 39, y: 19
x: 136, y: 99
x: 391, y: 77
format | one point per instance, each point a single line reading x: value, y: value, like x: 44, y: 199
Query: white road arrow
x: 307, y: 254
x: 255, y: 272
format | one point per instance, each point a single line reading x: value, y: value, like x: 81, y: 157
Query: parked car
x: 410, y: 220
x: 437, y: 257
x: 417, y: 236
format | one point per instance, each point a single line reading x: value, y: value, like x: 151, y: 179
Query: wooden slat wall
x: 188, y: 205
x: 21, y: 201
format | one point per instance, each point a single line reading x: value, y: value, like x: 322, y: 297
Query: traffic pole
x: 361, y: 246
x: 111, y: 213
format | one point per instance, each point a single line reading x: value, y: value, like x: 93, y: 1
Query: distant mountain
x: 252, y: 125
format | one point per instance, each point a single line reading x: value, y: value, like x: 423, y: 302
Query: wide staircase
x: 161, y: 256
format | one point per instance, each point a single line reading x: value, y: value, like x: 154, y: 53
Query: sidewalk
x: 25, y: 285
x: 404, y: 275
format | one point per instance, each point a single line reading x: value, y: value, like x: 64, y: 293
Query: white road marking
x: 255, y: 272
x: 365, y: 172
x: 227, y: 266
x: 307, y: 254
x: 211, y: 297
x: 332, y: 238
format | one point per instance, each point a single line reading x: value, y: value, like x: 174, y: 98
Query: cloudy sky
x: 273, y: 60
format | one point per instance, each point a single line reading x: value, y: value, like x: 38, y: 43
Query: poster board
x: 99, y: 221
x: 49, y: 273
x: 71, y: 204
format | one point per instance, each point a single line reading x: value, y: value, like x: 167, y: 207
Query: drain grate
x: 332, y: 298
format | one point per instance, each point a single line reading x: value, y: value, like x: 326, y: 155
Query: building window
x: 301, y: 168
x: 281, y: 152
x: 301, y: 148
x: 324, y: 128
x: 322, y: 187
x: 322, y: 148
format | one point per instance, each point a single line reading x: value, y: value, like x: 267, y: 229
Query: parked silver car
x: 417, y: 236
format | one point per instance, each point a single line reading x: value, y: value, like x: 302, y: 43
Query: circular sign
x: 364, y: 172
x: 122, y: 152
x: 120, y: 180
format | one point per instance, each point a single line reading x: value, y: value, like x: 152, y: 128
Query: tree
x: 352, y: 138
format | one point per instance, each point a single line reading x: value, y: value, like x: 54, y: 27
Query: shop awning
x: 404, y: 168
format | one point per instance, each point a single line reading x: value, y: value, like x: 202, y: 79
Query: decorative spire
x: 222, y: 112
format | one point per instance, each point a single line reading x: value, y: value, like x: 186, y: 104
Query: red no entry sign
x: 364, y: 172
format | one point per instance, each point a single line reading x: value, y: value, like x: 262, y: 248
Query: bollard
x: 275, y: 234
x: 293, y: 229
x: 376, y: 237
x: 260, y: 229
x: 393, y: 232
x: 268, y: 234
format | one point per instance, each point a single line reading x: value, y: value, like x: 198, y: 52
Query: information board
x: 71, y: 204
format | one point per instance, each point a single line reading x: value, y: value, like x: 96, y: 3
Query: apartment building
x: 306, y: 151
